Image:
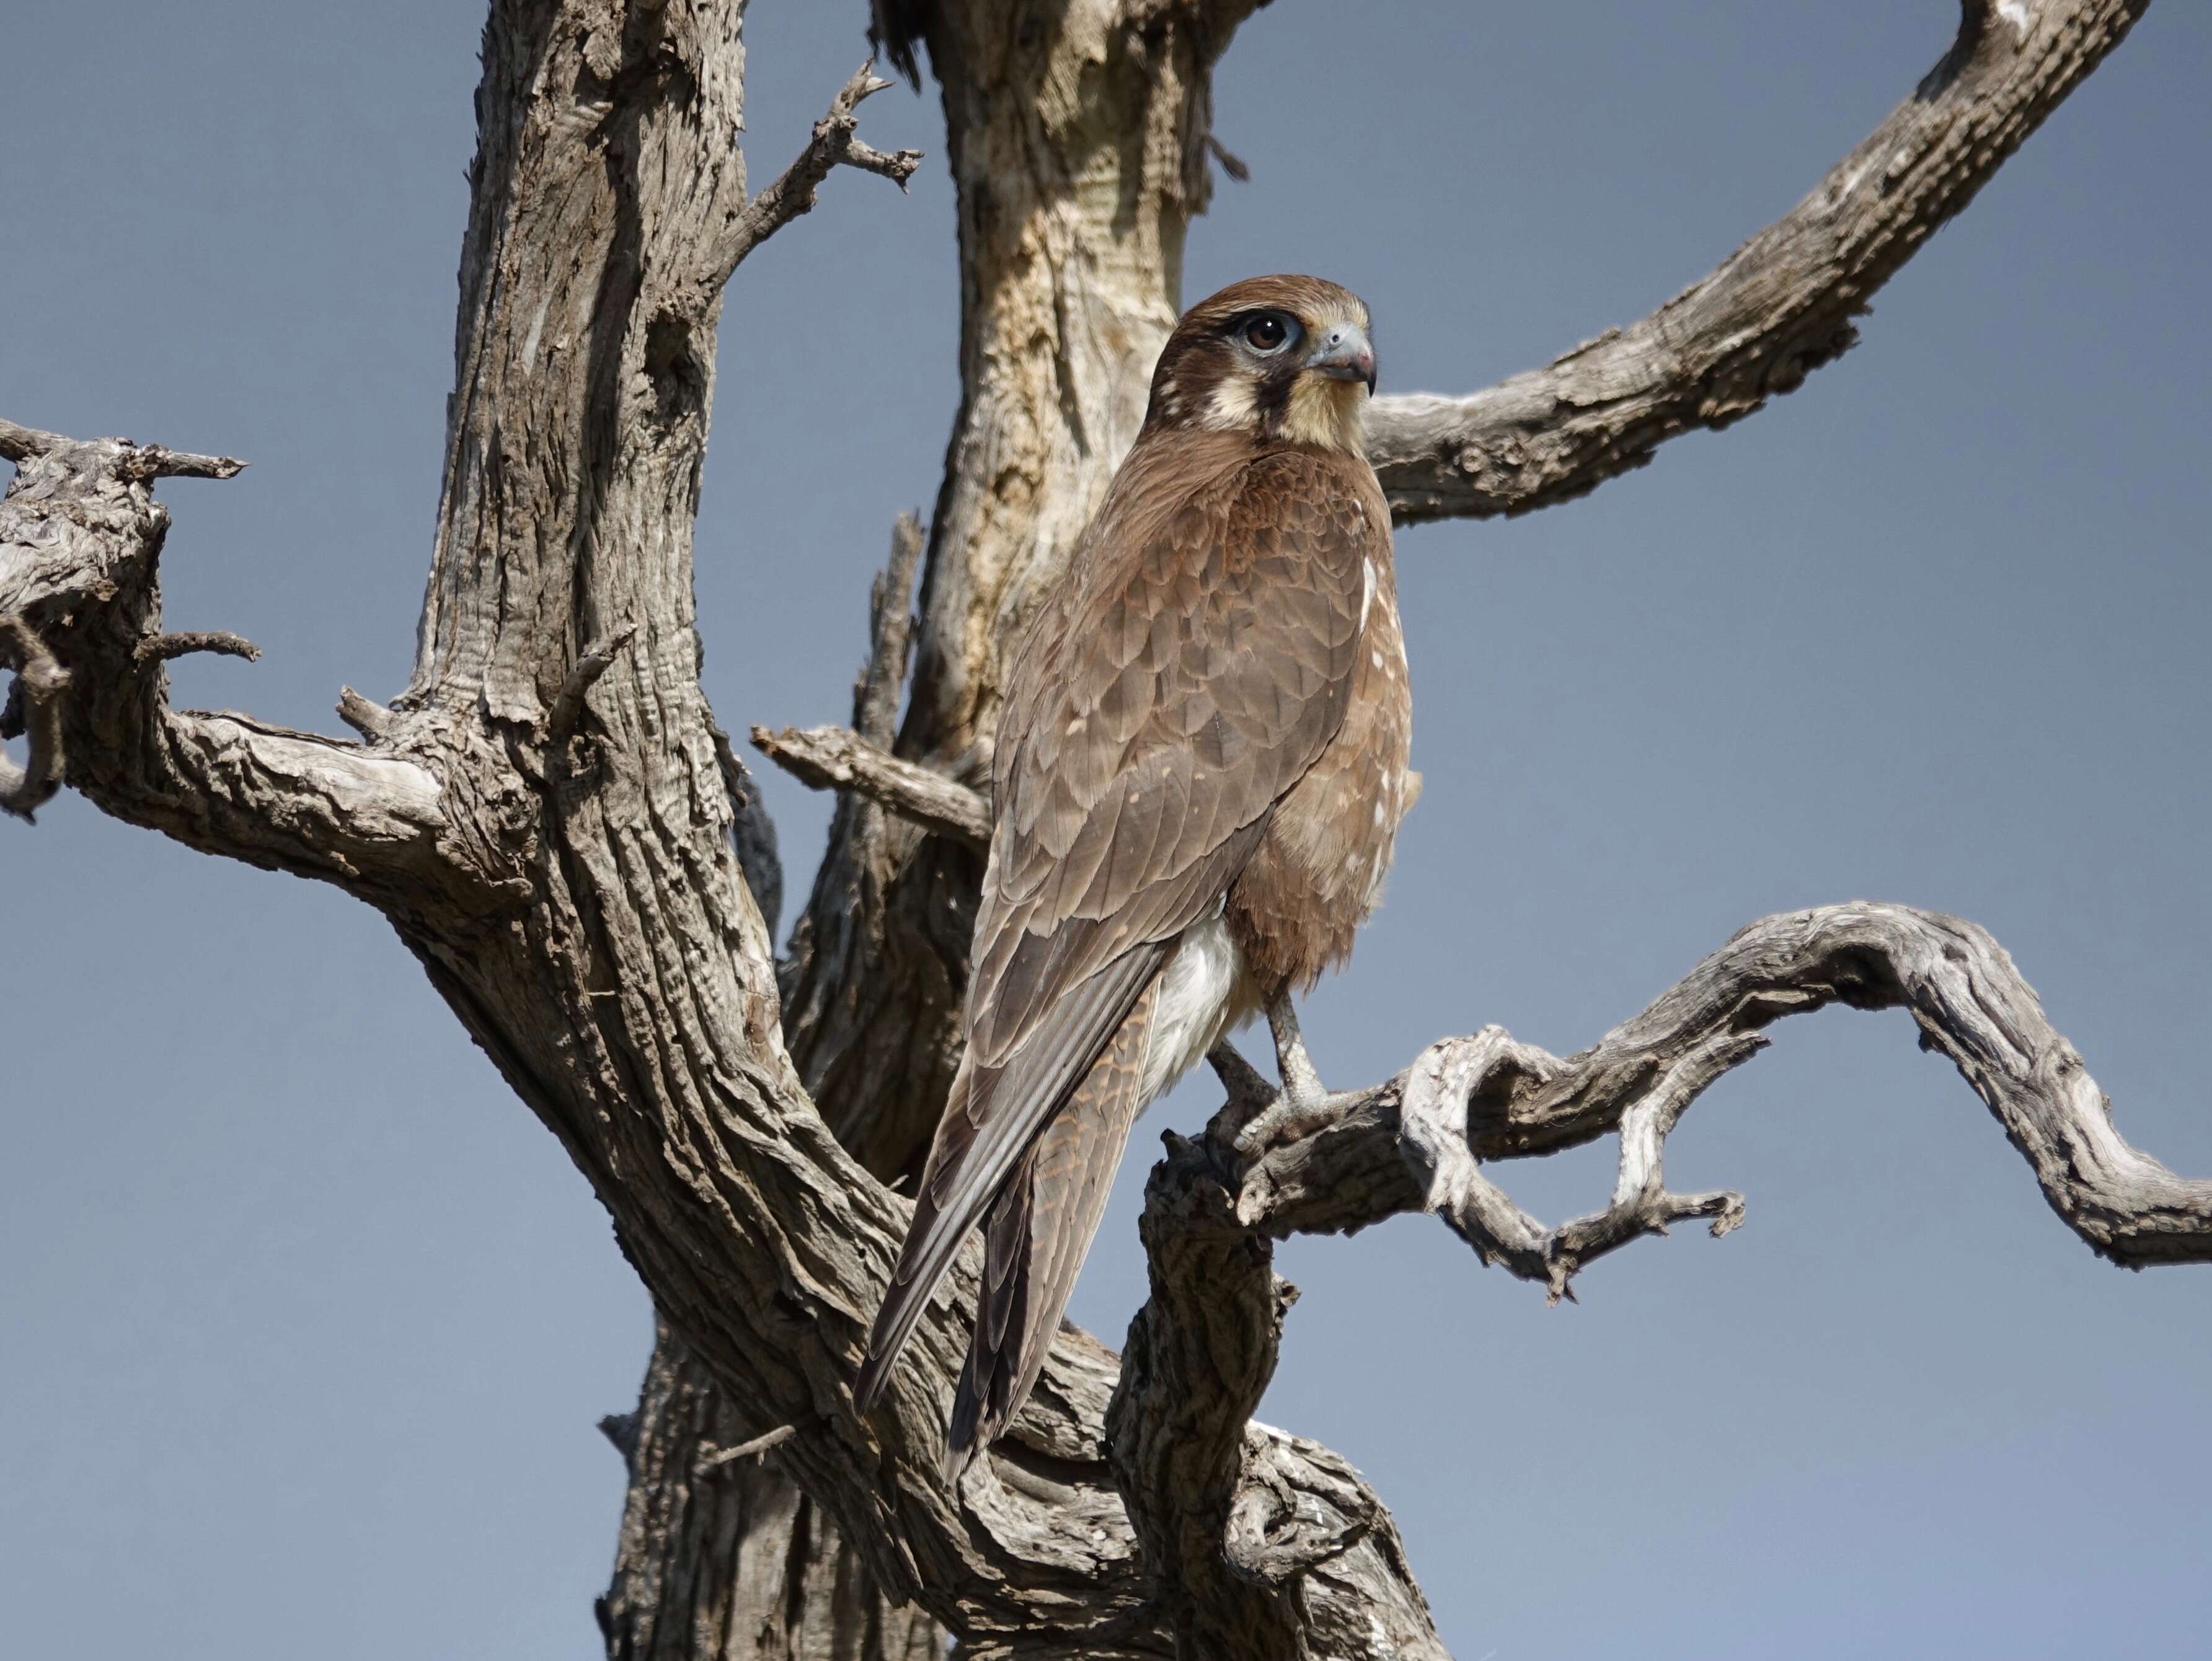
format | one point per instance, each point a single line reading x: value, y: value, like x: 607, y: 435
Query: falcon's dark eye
x: 1266, y: 333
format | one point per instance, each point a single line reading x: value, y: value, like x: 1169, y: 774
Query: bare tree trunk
x: 721, y: 1558
x: 739, y: 1565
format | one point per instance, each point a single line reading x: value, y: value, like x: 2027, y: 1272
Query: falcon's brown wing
x: 1192, y: 669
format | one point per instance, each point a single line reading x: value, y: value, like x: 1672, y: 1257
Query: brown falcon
x: 1200, y: 771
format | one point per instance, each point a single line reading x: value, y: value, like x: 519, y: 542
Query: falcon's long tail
x: 1038, y: 1231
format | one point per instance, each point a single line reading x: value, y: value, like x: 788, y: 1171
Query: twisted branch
x: 1414, y: 1142
x: 1200, y: 1352
x: 1432, y: 1136
x: 1217, y: 1525
x: 1485, y: 1097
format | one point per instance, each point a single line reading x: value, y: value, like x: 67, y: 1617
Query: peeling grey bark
x: 553, y: 821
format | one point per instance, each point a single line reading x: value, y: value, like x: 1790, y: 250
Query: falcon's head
x: 1278, y: 357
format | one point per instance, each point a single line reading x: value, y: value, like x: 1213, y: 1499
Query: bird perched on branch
x: 1200, y: 771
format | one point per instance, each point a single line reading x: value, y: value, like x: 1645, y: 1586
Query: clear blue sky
x: 305, y: 1322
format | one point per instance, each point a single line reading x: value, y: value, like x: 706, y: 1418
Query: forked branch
x: 1484, y: 1097
x: 1432, y: 1136
x: 81, y: 541
x: 835, y: 143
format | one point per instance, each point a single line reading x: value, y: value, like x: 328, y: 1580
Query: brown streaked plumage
x: 1200, y: 773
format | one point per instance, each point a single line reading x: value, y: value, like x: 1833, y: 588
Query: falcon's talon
x: 1292, y: 1117
x: 1303, y: 1106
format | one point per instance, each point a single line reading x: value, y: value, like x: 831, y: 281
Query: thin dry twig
x: 751, y: 1450
x: 161, y: 648
x: 598, y: 657
x: 1232, y: 164
x: 835, y: 143
x: 837, y: 758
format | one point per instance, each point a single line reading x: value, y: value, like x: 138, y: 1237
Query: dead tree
x: 553, y: 821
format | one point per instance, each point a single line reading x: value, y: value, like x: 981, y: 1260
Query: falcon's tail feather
x: 993, y: 1120
x: 1039, y: 1231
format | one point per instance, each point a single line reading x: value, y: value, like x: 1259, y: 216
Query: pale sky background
x: 305, y: 1322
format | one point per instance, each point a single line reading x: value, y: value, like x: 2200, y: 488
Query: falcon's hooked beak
x: 1345, y: 354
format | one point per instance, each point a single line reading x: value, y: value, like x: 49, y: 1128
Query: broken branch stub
x: 837, y: 758
x: 35, y: 711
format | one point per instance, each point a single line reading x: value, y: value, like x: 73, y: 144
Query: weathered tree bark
x: 720, y: 1557
x: 552, y: 820
x: 695, y: 1562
